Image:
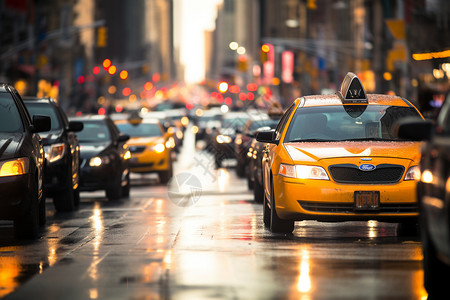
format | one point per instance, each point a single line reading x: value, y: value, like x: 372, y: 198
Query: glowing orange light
x: 250, y: 96
x: 156, y: 77
x: 112, y: 70
x: 126, y: 91
x: 148, y: 86
x: 265, y: 48
x: 228, y: 101
x: 243, y: 96
x: 106, y: 64
x: 123, y: 74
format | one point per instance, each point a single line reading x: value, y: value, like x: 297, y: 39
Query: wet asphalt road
x: 202, y: 237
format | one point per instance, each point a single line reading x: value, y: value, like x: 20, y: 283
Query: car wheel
x: 258, y: 191
x: 115, y: 191
x: 64, y: 199
x: 126, y: 188
x: 240, y: 169
x: 278, y: 225
x: 266, y: 211
x: 42, y: 211
x: 435, y: 271
x: 407, y: 229
x: 26, y: 225
x: 76, y: 198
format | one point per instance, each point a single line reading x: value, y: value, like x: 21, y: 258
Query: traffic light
x: 264, y: 53
x: 242, y: 63
x: 102, y: 36
x: 312, y: 4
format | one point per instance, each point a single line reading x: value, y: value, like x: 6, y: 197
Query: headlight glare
x: 97, y: 161
x: 54, y: 152
x: 413, y: 173
x: 159, y: 148
x: 14, y: 167
x: 303, y: 172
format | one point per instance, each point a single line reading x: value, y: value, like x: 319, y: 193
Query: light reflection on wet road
x: 145, y: 247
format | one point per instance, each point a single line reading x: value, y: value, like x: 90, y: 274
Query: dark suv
x: 433, y: 191
x: 21, y: 164
x: 62, y: 153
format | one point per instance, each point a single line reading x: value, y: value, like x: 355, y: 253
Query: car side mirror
x: 75, y: 126
x: 41, y: 123
x: 266, y: 136
x: 123, y: 138
x: 415, y: 129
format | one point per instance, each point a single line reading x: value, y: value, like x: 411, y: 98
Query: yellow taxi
x: 150, y: 146
x: 336, y: 158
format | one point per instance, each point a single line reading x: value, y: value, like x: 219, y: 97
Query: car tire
x: 406, y: 229
x: 435, y: 271
x: 26, y: 225
x: 76, y: 198
x: 266, y: 211
x: 165, y: 176
x: 42, y: 211
x: 64, y: 200
x: 258, y: 191
x: 126, y: 188
x: 240, y: 169
x: 278, y: 225
x: 114, y: 192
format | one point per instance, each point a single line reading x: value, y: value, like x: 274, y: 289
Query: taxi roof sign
x: 352, y: 90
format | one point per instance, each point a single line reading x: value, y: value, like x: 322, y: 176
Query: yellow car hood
x: 135, y: 141
x: 313, y: 152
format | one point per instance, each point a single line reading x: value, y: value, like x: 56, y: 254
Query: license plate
x: 367, y: 200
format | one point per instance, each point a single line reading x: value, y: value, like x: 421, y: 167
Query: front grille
x: 136, y: 149
x: 349, y: 173
x: 348, y: 207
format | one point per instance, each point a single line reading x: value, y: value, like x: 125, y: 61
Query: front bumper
x: 326, y: 200
x: 56, y: 177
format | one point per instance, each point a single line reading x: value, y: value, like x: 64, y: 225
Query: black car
x: 433, y: 191
x: 62, y: 153
x: 22, y: 164
x: 222, y: 145
x: 255, y: 154
x: 104, y: 157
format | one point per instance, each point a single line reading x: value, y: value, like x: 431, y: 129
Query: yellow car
x: 335, y: 158
x: 150, y: 146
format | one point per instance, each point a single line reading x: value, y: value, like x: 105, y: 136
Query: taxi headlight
x: 303, y: 172
x: 14, y: 167
x: 413, y: 173
x: 127, y: 155
x: 159, y: 148
x: 223, y: 139
x: 98, y: 161
x: 54, y: 152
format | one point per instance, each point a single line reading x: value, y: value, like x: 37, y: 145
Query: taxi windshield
x: 346, y: 123
x: 140, y: 130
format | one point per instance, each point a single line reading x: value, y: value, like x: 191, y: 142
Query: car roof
x: 90, y: 118
x: 333, y: 100
x: 38, y: 99
x: 143, y: 120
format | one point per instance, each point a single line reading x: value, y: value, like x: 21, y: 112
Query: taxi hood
x: 313, y: 151
x: 134, y: 141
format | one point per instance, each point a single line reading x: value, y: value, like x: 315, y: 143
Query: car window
x: 94, y: 132
x: 45, y: 110
x: 10, y: 120
x: 140, y: 130
x: 282, y: 123
x: 349, y: 122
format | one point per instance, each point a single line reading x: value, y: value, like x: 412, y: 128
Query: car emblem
x: 366, y: 158
x: 367, y: 167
